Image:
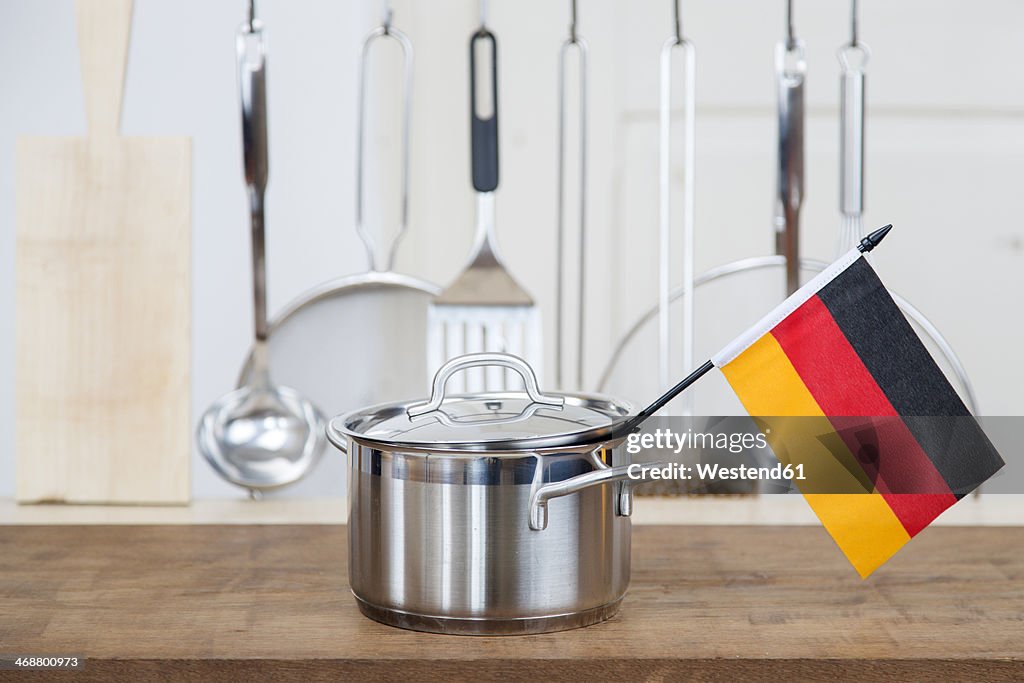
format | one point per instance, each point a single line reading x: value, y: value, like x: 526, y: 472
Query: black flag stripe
x: 910, y: 378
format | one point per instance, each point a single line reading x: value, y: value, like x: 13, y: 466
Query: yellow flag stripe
x: 862, y: 524
x: 767, y: 383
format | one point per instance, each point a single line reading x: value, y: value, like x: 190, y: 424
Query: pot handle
x: 475, y: 360
x: 626, y: 476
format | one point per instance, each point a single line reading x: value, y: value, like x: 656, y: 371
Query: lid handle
x: 476, y: 360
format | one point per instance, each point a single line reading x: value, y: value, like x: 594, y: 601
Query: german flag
x: 886, y: 443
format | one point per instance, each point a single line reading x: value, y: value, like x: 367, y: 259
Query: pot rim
x: 340, y: 429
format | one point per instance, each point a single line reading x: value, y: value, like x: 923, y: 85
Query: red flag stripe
x: 820, y: 352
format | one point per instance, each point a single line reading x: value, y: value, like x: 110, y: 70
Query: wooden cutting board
x: 103, y: 297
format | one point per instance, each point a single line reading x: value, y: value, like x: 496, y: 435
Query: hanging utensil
x: 359, y: 339
x: 674, y: 42
x: 484, y: 309
x: 853, y: 57
x: 261, y: 435
x: 790, y: 73
x: 574, y: 42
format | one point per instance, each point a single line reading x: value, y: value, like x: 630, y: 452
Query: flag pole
x: 866, y: 245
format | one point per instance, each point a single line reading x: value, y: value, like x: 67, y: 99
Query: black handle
x: 484, y: 132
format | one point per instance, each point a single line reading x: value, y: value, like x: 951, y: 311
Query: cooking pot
x: 489, y: 513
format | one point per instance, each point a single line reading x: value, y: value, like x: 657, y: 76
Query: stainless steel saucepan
x: 461, y: 518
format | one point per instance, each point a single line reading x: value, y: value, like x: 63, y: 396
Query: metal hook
x: 387, y: 17
x: 854, y: 55
x: 790, y: 31
x: 251, y: 19
x: 678, y: 19
x: 573, y: 38
x: 854, y: 24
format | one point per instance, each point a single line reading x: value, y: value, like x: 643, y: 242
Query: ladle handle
x: 252, y: 88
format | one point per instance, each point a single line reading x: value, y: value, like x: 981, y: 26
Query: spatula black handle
x: 484, y: 131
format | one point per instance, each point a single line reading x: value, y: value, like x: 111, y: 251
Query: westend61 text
x: 716, y: 472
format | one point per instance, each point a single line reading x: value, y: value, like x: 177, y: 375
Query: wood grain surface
x: 236, y: 602
x: 103, y: 297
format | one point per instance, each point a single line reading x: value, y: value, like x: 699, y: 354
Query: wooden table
x: 232, y: 602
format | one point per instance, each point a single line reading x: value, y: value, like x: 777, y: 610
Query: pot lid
x: 489, y: 421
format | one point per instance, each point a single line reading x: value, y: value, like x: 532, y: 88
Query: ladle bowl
x: 262, y: 437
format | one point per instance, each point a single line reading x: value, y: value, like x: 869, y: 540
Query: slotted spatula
x: 484, y: 309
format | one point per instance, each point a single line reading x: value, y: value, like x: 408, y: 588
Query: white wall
x: 945, y: 159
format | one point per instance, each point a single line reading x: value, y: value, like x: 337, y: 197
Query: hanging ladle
x: 259, y: 436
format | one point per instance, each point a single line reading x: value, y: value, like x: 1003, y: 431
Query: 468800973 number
x: 24, y: 662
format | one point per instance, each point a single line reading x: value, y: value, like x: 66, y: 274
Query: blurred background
x: 944, y: 164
